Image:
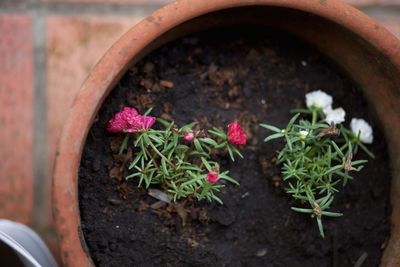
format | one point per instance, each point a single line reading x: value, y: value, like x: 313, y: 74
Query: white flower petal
x: 303, y: 134
x: 327, y: 110
x: 360, y: 126
x: 318, y: 99
x: 335, y: 116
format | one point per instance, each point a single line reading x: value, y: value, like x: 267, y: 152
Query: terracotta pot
x: 367, y: 52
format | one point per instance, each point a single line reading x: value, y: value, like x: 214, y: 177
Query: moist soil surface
x: 215, y: 78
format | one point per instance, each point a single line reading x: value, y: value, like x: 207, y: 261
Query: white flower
x: 303, y: 135
x: 335, y: 116
x: 362, y: 128
x: 319, y: 99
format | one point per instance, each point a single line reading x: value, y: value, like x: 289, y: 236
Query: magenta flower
x: 128, y: 120
x: 212, y: 177
x: 188, y: 136
x: 119, y: 123
x: 236, y: 135
x: 140, y: 123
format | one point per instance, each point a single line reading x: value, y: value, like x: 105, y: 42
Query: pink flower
x: 119, y: 123
x: 128, y: 120
x: 140, y: 123
x: 212, y: 177
x: 236, y: 135
x: 188, y: 136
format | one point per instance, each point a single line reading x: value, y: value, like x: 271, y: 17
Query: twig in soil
x: 361, y: 259
x: 245, y: 195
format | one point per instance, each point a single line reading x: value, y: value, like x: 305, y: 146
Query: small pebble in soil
x: 244, y: 195
x: 261, y: 252
x: 167, y: 84
x: 114, y: 201
x: 276, y: 180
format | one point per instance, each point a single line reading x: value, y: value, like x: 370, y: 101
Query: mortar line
x: 79, y: 9
x: 101, y: 9
x: 40, y: 153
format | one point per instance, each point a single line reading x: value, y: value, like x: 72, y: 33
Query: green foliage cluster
x: 316, y: 160
x: 163, y: 158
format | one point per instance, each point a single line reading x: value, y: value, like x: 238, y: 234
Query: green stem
x: 157, y: 151
x: 188, y: 152
x: 151, y: 157
x: 314, y: 117
x: 341, y: 149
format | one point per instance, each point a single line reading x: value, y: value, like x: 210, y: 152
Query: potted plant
x: 252, y: 78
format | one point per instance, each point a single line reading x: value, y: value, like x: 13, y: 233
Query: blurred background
x: 47, y: 48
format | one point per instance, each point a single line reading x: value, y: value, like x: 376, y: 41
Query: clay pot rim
x: 114, y: 63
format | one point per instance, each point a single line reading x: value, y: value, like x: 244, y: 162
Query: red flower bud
x: 188, y: 136
x: 212, y: 177
x: 236, y: 135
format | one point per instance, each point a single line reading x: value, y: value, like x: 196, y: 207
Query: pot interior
x: 357, y: 58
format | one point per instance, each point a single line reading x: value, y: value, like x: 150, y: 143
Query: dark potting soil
x: 214, y: 78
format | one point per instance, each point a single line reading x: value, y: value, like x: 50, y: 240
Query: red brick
x: 74, y: 45
x: 360, y: 3
x: 16, y: 118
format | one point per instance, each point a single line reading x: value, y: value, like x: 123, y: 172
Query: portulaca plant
x: 318, y: 153
x: 180, y: 161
